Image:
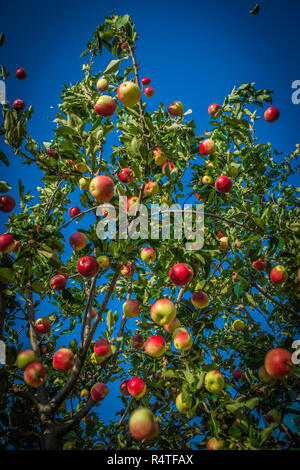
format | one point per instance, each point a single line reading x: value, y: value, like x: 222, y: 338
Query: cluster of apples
x: 148, y: 90
x: 19, y: 105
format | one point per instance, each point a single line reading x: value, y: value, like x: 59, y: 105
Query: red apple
x: 78, y: 240
x: 199, y: 299
x: 146, y: 81
x: 149, y: 91
x: 163, y: 311
x: 87, y: 266
x: 127, y: 270
x: 278, y: 274
x: 7, y: 243
x: 131, y: 308
x: 102, y: 84
x: 214, y: 109
x: 99, y: 391
x: 102, y: 188
x: 21, y: 74
x: 271, y: 114
x: 278, y: 363
x: 58, y: 282
x: 43, y: 325
x: 7, y: 203
x: 172, y: 326
x: 183, y: 341
x: 151, y: 188
x: 159, y: 156
x: 142, y: 425
x: 126, y: 175
x: 51, y: 153
x: 123, y: 388
x: 136, y: 387
x: 207, y: 179
x: 124, y: 45
x: 220, y: 235
x: 137, y: 341
x: 215, y: 444
x: 25, y: 358
x: 18, y: 105
x: 155, y: 346
x: 148, y: 254
x: 223, y: 184
x: 207, y: 147
x: 170, y: 165
x: 63, y: 360
x: 129, y: 93
x: 73, y: 211
x: 237, y: 374
x: 35, y: 374
x: 105, y: 106
x: 176, y: 108
x: 181, y: 274
x: 102, y: 348
x: 259, y: 264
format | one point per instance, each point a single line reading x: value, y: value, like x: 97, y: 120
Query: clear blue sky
x: 194, y: 51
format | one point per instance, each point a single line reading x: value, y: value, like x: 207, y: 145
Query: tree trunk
x: 49, y: 440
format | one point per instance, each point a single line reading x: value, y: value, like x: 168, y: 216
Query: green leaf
x: 2, y: 38
x: 4, y: 159
x: 4, y: 187
x: 112, y: 66
x: 122, y: 21
x: 7, y: 275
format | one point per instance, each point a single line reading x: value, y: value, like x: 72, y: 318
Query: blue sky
x: 194, y: 51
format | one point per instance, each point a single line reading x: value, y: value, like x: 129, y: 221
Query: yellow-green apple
x: 21, y: 74
x: 142, y: 424
x: 105, y: 106
x: 103, y: 261
x: 183, y: 341
x: 18, y: 105
x: 58, y: 282
x: 265, y: 377
x: 145, y: 81
x: 43, y: 325
x: 25, y: 358
x: 151, y: 188
x: 99, y: 391
x: 172, y: 326
x: 102, y: 348
x: 181, y: 274
x: 215, y: 444
x: 224, y: 243
x: 81, y: 167
x: 123, y: 388
x: 73, y: 211
x: 278, y: 363
x: 213, y: 109
x: 63, y: 360
x: 68, y: 445
x: 148, y: 254
x: 155, y: 346
x: 178, y: 330
x: 131, y: 308
x: 131, y: 202
x: 97, y: 360
x: 233, y: 171
x: 259, y: 264
x: 126, y: 175
x: 137, y: 341
x: 102, y: 84
x: 87, y: 266
x: 136, y: 387
x: 78, y: 241
x: 102, y: 188
x: 159, y: 156
x: 35, y: 374
x: 84, y: 183
x: 149, y: 91
x: 271, y: 114
x: 278, y: 274
x: 84, y: 393
x: 7, y: 204
x: 7, y: 243
x: 214, y: 381
x: 237, y: 374
x: 207, y: 147
x: 183, y: 406
x: 199, y: 299
x: 176, y: 108
x: 239, y: 325
x: 223, y: 184
x: 273, y: 417
x: 163, y: 311
x: 129, y: 93
x: 127, y: 270
x: 168, y: 167
x: 207, y: 179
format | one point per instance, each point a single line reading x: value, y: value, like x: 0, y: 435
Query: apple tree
x: 207, y: 360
